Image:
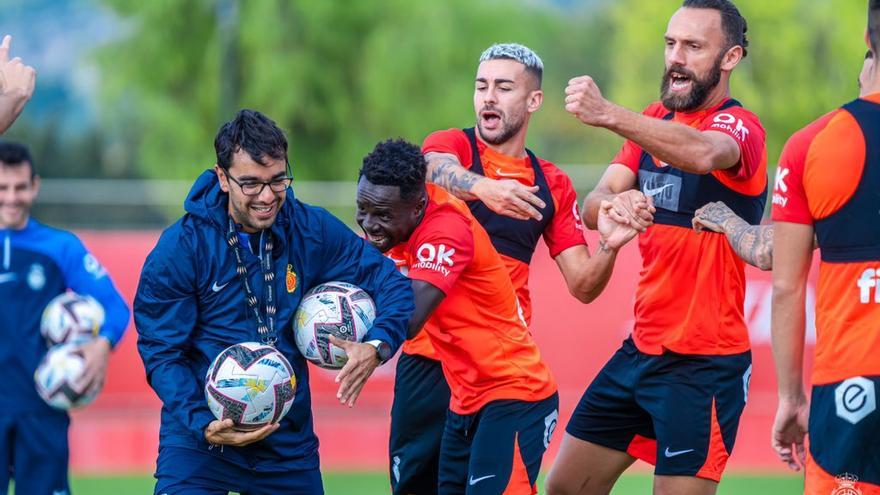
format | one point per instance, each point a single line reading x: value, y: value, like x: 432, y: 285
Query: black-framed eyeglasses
x: 254, y: 188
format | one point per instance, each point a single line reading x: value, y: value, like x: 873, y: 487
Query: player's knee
x: 676, y: 485
x: 562, y: 485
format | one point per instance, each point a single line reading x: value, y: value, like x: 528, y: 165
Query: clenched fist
x: 584, y: 100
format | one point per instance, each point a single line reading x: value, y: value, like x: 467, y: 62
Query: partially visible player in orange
x: 828, y: 185
x: 504, y: 404
x: 754, y: 243
x: 674, y: 392
x: 519, y: 199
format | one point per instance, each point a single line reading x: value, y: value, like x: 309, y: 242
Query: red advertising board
x: 119, y: 432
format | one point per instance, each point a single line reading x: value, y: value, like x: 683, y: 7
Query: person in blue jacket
x: 37, y: 263
x: 243, y: 222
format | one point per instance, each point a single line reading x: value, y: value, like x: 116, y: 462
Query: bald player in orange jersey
x: 674, y: 392
x: 504, y: 404
x: 828, y: 185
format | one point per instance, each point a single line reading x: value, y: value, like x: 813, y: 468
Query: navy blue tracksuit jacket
x: 190, y: 305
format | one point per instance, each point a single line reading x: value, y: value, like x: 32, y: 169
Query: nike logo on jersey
x: 218, y: 288
x: 668, y: 453
x: 499, y: 173
x: 656, y: 191
x: 7, y: 277
x: 473, y: 481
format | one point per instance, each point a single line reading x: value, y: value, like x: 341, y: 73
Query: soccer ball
x: 332, y: 308
x: 57, y: 378
x: 252, y: 384
x: 71, y: 318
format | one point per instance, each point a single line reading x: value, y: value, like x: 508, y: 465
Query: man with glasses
x: 192, y: 303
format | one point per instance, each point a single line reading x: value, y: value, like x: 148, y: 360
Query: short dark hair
x: 396, y: 163
x: 874, y: 24
x: 16, y: 154
x: 732, y: 22
x: 253, y: 132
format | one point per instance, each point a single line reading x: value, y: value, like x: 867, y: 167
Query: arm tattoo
x: 753, y: 243
x: 717, y: 213
x: 450, y: 175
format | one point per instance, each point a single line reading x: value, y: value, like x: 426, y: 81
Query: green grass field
x: 336, y: 483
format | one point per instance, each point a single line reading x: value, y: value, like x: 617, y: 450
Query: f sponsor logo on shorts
x: 435, y: 258
x: 870, y: 280
x: 855, y: 398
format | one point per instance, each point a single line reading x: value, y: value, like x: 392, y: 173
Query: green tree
x: 803, y: 61
x: 337, y: 76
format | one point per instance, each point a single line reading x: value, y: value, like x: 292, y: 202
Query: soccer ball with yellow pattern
x: 253, y: 384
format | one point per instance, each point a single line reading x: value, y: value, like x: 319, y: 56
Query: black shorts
x: 421, y: 399
x: 844, y: 431
x: 678, y: 412
x: 498, y: 449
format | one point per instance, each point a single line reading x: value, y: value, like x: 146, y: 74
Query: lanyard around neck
x: 265, y: 326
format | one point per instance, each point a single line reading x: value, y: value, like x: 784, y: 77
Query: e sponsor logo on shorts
x: 435, y: 258
x: 854, y: 399
x: 747, y: 379
x: 550, y: 426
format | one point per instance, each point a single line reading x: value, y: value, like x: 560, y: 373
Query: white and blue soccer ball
x: 332, y: 308
x: 71, y: 318
x: 253, y: 384
x: 58, y: 378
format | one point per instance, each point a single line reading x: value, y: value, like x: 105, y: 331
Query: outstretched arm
x: 505, y: 197
x: 585, y: 275
x: 679, y: 145
x: 752, y: 243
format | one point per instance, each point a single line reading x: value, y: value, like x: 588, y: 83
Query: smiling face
x: 253, y: 213
x: 505, y: 94
x: 697, y: 59
x: 387, y: 219
x: 18, y: 190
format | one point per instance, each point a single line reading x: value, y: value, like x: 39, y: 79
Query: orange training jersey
x: 820, y: 169
x: 421, y: 343
x: 478, y: 333
x: 562, y: 232
x: 691, y: 291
